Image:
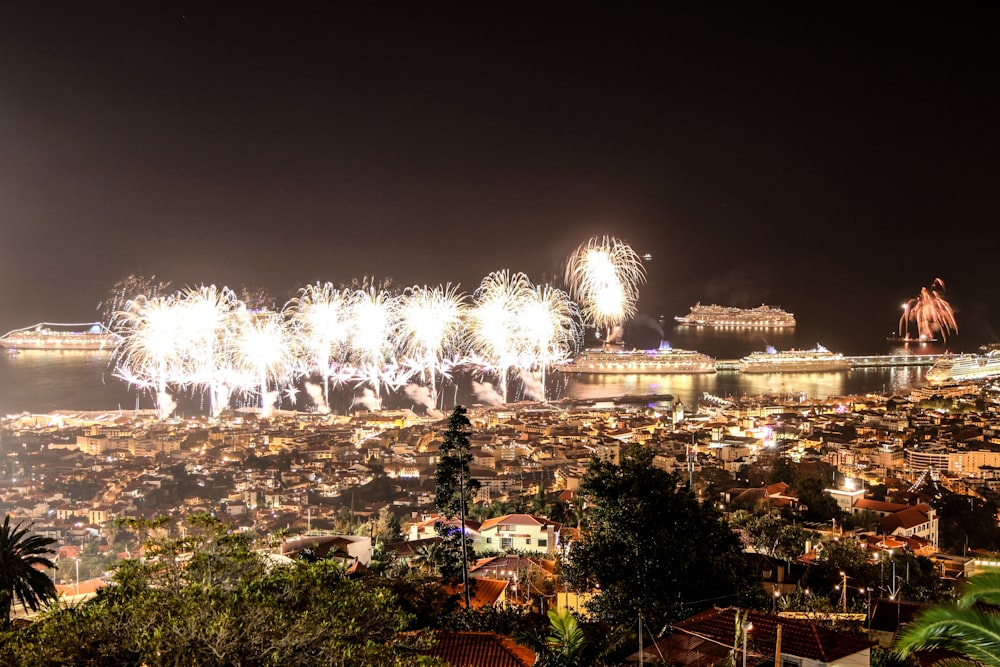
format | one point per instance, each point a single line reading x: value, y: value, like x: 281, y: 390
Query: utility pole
x: 777, y: 647
x: 465, y: 556
x: 641, y: 661
x: 745, y: 627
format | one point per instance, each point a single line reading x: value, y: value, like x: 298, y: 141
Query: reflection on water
x: 42, y: 381
x: 688, y: 388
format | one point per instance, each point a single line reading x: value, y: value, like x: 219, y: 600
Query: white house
x: 518, y: 532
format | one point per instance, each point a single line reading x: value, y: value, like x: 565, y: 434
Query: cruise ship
x: 761, y: 317
x: 817, y: 360
x: 640, y: 362
x: 964, y: 367
x: 48, y: 336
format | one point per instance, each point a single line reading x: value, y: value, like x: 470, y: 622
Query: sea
x: 38, y: 381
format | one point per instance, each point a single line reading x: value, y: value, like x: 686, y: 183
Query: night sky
x: 826, y: 159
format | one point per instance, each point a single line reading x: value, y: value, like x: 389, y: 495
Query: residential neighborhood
x: 881, y: 473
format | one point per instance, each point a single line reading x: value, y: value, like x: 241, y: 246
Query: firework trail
x: 604, y: 275
x: 430, y: 330
x: 494, y: 323
x: 929, y: 312
x: 126, y: 290
x: 262, y: 355
x: 207, y: 317
x: 374, y: 320
x: 150, y: 353
x: 550, y: 330
x: 321, y: 327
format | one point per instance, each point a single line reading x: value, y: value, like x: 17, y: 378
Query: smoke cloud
x: 316, y: 394
x: 165, y: 404
x: 533, y: 389
x: 485, y: 393
x: 368, y: 400
x: 422, y: 396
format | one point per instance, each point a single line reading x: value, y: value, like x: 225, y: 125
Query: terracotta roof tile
x: 480, y: 649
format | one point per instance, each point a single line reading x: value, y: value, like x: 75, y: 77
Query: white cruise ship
x: 964, y: 367
x: 49, y: 336
x: 640, y: 362
x: 761, y: 317
x: 817, y: 360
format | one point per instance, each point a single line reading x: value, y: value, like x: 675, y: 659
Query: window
x: 506, y: 542
x: 542, y: 542
x: 527, y: 540
x: 789, y: 663
x: 489, y: 540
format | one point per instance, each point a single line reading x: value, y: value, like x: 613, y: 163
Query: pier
x: 870, y: 361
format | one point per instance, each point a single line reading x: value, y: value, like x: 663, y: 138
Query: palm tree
x: 20, y: 578
x: 971, y: 627
x: 565, y: 644
x: 425, y: 557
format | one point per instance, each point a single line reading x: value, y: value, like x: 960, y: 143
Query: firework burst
x: 430, y: 329
x: 604, y: 275
x: 930, y: 313
x: 320, y: 321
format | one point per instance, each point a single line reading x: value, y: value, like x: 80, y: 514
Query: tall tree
x: 455, y: 489
x: 21, y: 581
x: 651, y: 548
x: 970, y: 628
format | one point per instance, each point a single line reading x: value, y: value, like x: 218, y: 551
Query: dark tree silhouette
x: 20, y: 579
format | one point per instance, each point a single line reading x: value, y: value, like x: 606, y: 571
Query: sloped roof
x: 480, y: 649
x: 878, y: 505
x: 516, y: 519
x: 908, y: 518
x: 798, y: 638
x: 485, y: 592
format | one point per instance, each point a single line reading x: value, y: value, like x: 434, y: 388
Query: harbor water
x: 42, y: 381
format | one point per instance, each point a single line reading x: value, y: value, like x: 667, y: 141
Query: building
x: 518, y: 532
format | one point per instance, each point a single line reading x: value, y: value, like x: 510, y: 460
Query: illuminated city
x: 362, y: 334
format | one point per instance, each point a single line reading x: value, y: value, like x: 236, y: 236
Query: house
x: 706, y: 638
x: 349, y: 547
x: 903, y: 520
x: 518, y: 532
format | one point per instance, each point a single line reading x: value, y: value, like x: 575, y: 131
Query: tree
x: 971, y: 627
x: 21, y: 581
x: 820, y: 506
x: 565, y: 644
x: 651, y: 547
x: 249, y: 611
x: 454, y: 491
x: 455, y: 487
x: 771, y: 535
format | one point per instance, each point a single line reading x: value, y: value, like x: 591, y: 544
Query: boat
x: 761, y: 317
x: 817, y: 360
x: 964, y: 367
x: 662, y: 361
x: 907, y: 339
x: 90, y: 336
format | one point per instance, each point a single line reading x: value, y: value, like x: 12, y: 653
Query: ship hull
x: 83, y: 345
x: 966, y: 368
x: 45, y: 337
x: 817, y: 367
x: 673, y: 362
